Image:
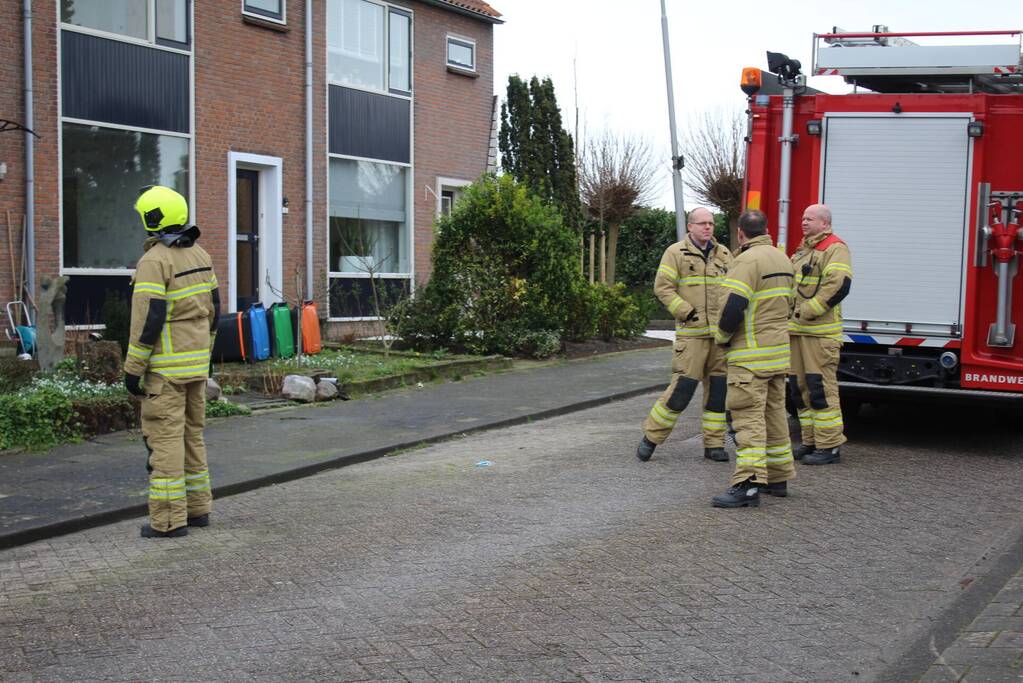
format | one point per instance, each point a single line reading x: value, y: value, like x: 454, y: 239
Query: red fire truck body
x: 924, y: 177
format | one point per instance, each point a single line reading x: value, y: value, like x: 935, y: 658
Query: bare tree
x: 715, y: 151
x: 617, y: 176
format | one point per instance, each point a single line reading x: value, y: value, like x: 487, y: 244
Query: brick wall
x: 12, y: 144
x: 250, y: 98
x: 452, y: 115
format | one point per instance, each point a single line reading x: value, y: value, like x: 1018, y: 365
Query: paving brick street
x: 564, y: 559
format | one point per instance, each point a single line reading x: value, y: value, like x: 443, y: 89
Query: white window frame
x: 85, y: 270
x: 464, y: 42
x: 150, y: 40
x: 386, y: 90
x: 410, y: 236
x: 263, y: 16
x: 453, y: 184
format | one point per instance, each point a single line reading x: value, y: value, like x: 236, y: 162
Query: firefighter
x: 687, y: 283
x: 174, y: 307
x: 755, y: 309
x: 823, y: 279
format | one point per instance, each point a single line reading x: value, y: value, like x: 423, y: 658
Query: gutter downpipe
x: 308, y: 148
x: 787, y: 140
x: 30, y: 183
x: 676, y: 159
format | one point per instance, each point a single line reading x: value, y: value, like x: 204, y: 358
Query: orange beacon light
x: 750, y: 82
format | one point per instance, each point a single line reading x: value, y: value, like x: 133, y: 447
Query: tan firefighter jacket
x: 174, y: 308
x: 688, y: 284
x: 823, y: 279
x: 756, y: 301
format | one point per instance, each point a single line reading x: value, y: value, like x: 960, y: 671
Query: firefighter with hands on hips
x: 687, y: 283
x: 823, y: 279
x: 174, y: 308
x: 755, y: 308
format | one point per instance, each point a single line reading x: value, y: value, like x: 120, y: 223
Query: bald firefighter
x: 687, y: 283
x: 755, y: 309
x: 174, y: 307
x: 823, y: 279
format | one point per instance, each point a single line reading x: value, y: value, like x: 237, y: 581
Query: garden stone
x: 299, y: 388
x: 326, y: 391
x: 212, y: 389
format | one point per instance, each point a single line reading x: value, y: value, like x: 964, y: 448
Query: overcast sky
x: 617, y: 49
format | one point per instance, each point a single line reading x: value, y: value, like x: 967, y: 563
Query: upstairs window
x: 265, y: 9
x: 163, y: 22
x: 462, y: 53
x: 369, y: 46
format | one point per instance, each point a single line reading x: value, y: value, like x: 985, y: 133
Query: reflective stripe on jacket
x: 174, y: 307
x: 688, y: 282
x: 823, y: 280
x: 756, y: 301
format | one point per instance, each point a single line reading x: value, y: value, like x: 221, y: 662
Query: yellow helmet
x: 161, y: 208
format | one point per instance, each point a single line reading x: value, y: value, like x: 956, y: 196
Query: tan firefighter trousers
x: 813, y: 389
x: 763, y: 451
x: 173, y: 417
x: 695, y: 360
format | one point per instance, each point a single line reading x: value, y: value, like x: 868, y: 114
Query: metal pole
x: 786, y: 139
x: 308, y: 153
x: 676, y: 159
x: 30, y: 182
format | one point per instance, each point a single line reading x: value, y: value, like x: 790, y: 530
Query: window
x: 103, y: 169
x: 399, y: 76
x: 449, y: 192
x: 461, y: 53
x: 265, y: 9
x: 368, y: 232
x: 369, y: 45
x: 131, y: 18
x: 368, y: 238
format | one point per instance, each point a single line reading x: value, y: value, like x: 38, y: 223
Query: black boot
x: 778, y: 488
x: 716, y: 454
x: 746, y: 494
x: 201, y: 520
x: 646, y: 449
x: 803, y: 451
x: 823, y: 456
x: 149, y: 532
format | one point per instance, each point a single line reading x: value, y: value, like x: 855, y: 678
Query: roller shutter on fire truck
x: 898, y: 186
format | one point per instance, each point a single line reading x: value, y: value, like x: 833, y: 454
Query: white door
x: 897, y: 186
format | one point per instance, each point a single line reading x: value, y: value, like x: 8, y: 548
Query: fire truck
x: 922, y: 168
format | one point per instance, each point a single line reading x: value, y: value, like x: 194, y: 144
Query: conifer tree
x: 535, y: 148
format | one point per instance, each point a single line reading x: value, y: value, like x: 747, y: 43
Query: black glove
x: 692, y: 317
x: 133, y: 383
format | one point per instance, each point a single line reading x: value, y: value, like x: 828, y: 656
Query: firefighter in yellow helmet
x: 688, y: 283
x: 755, y: 307
x: 174, y: 308
x: 823, y: 279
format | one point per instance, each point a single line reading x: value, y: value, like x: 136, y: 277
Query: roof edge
x: 443, y: 4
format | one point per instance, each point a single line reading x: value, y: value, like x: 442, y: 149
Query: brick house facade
x: 210, y: 97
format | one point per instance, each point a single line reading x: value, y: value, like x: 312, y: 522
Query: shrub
x: 36, y: 418
x: 226, y: 409
x: 505, y: 277
x: 616, y: 312
x: 641, y: 241
x: 116, y: 314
